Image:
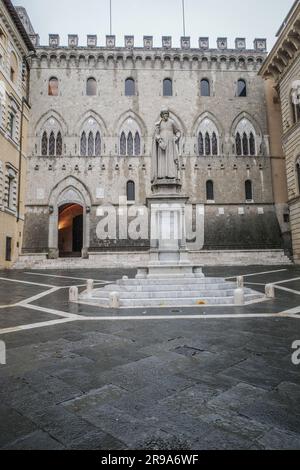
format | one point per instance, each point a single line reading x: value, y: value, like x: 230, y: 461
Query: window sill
x: 130, y: 203
x: 249, y: 201
x: 210, y: 201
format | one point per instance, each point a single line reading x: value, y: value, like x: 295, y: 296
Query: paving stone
x: 13, y: 425
x: 38, y: 440
x: 279, y: 440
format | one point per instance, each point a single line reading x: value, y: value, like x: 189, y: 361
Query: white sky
x: 212, y: 18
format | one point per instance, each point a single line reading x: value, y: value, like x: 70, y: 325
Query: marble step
x: 201, y: 281
x: 170, y: 288
x: 169, y: 295
x: 183, y: 302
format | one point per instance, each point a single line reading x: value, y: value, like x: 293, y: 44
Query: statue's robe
x: 165, y: 151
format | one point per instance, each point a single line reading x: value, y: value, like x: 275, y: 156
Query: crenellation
x: 73, y: 40
x: 54, y: 40
x: 92, y: 40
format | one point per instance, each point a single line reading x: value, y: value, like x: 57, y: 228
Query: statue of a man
x: 165, y: 152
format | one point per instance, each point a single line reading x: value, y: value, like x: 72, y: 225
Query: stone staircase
x: 137, y: 259
x: 165, y: 292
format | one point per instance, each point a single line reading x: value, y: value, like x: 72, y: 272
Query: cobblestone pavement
x: 80, y: 377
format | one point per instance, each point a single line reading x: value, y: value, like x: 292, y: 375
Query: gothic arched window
x: 210, y: 190
x: 200, y: 144
x: 245, y: 138
x: 167, y: 87
x: 83, y: 144
x: 59, y: 145
x: 129, y: 87
x: 205, y: 87
x: 137, y: 144
x: 248, y: 190
x: 53, y: 87
x: 241, y: 88
x: 130, y: 190
x: 90, y: 140
x: 91, y: 87
x: 52, y: 144
x: 44, y: 144
x: 123, y: 144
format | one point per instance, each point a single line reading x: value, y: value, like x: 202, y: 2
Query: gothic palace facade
x: 93, y: 115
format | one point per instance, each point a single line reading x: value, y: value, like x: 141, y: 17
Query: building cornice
x: 287, y: 47
x: 18, y: 24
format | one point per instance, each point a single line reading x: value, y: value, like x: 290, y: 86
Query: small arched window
x: 91, y: 147
x: 167, y: 87
x: 123, y: 144
x: 130, y: 191
x: 214, y: 144
x: 52, y: 145
x: 210, y: 190
x: 53, y: 87
x: 252, y: 144
x: 130, y: 145
x: 45, y: 144
x: 245, y: 144
x: 98, y: 145
x: 248, y: 190
x: 129, y: 87
x: 200, y: 144
x: 241, y: 88
x: 137, y: 144
x: 207, y: 144
x: 238, y: 144
x: 83, y: 144
x: 91, y: 87
x: 205, y: 87
x: 59, y: 145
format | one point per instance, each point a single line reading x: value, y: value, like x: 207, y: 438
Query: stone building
x: 15, y: 48
x: 91, y: 134
x: 282, y: 71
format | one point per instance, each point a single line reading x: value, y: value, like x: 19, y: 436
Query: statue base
x: 166, y: 186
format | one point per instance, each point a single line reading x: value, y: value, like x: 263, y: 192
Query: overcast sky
x: 213, y: 18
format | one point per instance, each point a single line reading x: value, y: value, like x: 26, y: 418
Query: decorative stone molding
x: 92, y: 40
x: 73, y: 40
x: 129, y: 42
x: 110, y: 41
x: 148, y: 42
x: 240, y: 44
x: 167, y: 42
x: 54, y: 40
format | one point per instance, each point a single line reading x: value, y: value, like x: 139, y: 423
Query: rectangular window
x: 8, y: 249
x: 12, y: 119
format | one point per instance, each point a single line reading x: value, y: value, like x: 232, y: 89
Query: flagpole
x: 183, y: 17
x: 110, y: 17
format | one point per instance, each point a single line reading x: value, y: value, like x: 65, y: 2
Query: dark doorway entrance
x: 70, y: 230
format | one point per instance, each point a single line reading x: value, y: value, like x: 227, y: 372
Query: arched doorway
x: 70, y: 230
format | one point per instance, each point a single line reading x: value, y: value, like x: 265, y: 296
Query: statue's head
x: 165, y: 114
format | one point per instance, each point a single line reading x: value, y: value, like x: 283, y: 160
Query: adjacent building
x: 282, y: 73
x: 15, y: 49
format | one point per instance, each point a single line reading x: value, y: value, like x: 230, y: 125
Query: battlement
x: 259, y: 45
